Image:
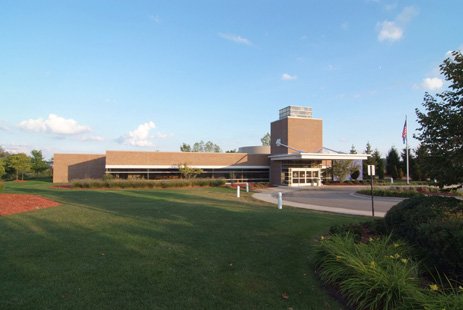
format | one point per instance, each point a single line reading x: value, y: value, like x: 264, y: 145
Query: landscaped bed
x: 18, y: 203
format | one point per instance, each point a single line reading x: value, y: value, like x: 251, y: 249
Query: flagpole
x: 406, y: 150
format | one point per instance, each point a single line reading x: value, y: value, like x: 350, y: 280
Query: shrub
x: 355, y: 175
x: 108, y: 177
x: 2, y: 185
x: 374, y: 275
x: 434, y: 225
x: 360, y: 231
x: 391, y: 193
x: 138, y: 183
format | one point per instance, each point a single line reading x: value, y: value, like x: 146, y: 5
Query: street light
x: 278, y: 143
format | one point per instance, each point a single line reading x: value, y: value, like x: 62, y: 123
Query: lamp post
x: 371, y: 173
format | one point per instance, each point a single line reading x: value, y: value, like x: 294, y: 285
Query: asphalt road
x: 339, y: 197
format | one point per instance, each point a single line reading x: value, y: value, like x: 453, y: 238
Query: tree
x: 38, y: 164
x: 369, y: 161
x: 412, y: 168
x: 343, y: 168
x: 19, y: 164
x: 441, y: 131
x: 353, y: 150
x: 2, y: 168
x: 420, y: 164
x: 231, y: 151
x: 393, y: 163
x: 185, y: 148
x: 3, y: 153
x: 188, y: 172
x: 379, y: 164
x: 265, y: 139
x: 201, y: 147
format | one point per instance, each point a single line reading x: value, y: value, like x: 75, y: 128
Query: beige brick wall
x: 68, y: 167
x: 190, y: 158
x: 304, y: 134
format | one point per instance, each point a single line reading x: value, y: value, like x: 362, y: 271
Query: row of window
x: 235, y: 175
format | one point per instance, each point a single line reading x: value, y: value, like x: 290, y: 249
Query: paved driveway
x: 338, y: 199
x: 341, y: 197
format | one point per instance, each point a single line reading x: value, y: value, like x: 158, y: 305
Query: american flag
x: 404, y: 132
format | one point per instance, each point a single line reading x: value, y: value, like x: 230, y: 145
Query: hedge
x: 434, y: 225
x: 121, y: 183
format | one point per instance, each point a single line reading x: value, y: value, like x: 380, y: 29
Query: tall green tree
x: 18, y: 164
x: 352, y: 150
x: 379, y: 164
x: 420, y: 164
x: 38, y: 163
x: 201, y: 146
x: 265, y: 139
x: 185, y: 147
x: 393, y: 168
x: 441, y: 131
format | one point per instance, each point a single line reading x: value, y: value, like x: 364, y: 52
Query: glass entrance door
x: 304, y: 177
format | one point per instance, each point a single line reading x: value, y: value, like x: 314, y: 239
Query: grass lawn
x: 198, y: 248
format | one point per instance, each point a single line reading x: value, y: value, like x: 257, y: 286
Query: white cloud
x: 432, y: 83
x: 389, y: 31
x: 394, y: 30
x: 235, y: 38
x: 54, y: 124
x: 288, y: 77
x: 16, y: 148
x: 92, y: 138
x: 155, y: 18
x: 138, y: 137
x: 162, y: 135
x: 3, y: 127
x: 407, y: 14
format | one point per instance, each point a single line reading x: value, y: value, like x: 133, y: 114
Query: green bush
x: 2, y: 185
x: 375, y: 227
x: 434, y: 225
x: 391, y: 193
x: 374, y: 275
x: 137, y: 183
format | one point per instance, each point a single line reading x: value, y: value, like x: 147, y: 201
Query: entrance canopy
x: 325, y: 154
x: 308, y: 169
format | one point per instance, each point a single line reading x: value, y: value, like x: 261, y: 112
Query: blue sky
x: 89, y: 76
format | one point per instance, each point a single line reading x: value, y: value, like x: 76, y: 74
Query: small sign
x: 371, y: 169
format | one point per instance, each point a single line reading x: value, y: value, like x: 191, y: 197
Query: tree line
x: 15, y: 166
x: 394, y: 165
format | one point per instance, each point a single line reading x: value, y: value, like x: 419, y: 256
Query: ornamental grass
x: 374, y: 275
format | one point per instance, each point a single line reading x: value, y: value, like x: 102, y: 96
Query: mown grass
x: 195, y: 248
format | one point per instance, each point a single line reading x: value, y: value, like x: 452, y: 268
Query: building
x: 296, y: 157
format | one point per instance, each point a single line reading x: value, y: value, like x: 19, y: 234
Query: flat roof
x: 318, y: 156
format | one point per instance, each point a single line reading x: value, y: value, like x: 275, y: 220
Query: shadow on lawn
x: 164, y: 248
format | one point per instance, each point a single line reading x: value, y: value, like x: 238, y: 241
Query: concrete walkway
x: 335, y: 199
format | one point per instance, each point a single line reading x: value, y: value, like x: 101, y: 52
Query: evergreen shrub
x: 434, y: 226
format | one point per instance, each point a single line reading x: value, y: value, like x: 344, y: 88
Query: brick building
x: 296, y: 157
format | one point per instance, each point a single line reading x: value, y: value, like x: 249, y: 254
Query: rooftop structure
x: 295, y: 111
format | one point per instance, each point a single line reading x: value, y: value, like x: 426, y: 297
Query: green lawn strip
x: 139, y: 249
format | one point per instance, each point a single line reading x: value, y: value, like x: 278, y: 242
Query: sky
x: 90, y: 76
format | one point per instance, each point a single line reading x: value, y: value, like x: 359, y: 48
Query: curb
x: 267, y: 197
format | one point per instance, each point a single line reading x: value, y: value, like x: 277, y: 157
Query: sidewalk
x: 270, y: 195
